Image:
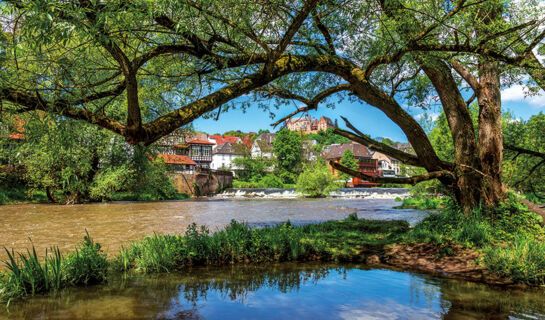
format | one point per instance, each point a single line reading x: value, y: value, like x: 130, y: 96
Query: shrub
x: 316, y: 181
x: 271, y: 181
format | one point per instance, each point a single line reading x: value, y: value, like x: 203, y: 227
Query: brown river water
x: 116, y: 224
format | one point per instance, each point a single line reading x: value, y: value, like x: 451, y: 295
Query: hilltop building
x: 307, y: 124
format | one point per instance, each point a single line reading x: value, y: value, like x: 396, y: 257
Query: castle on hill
x: 308, y: 124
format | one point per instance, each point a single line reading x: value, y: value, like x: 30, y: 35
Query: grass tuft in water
x: 27, y: 275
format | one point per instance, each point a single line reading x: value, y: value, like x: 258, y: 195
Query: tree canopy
x: 144, y: 68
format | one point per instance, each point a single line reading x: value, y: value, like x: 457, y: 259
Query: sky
x: 366, y: 118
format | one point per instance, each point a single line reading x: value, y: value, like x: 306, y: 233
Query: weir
x: 347, y: 193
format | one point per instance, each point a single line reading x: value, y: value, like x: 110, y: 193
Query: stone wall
x: 202, y: 182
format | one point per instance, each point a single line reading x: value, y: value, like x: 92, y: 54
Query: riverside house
x: 363, y: 157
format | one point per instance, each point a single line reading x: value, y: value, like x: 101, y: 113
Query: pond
x: 115, y: 224
x: 284, y: 291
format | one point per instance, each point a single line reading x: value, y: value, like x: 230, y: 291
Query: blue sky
x: 366, y: 118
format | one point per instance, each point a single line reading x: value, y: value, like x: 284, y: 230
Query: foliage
x: 316, y: 180
x: 251, y: 168
x: 327, y: 137
x: 287, y: 147
x: 524, y: 172
x: 348, y: 160
x: 422, y: 203
x: 76, y: 162
x: 268, y: 181
x: 109, y: 181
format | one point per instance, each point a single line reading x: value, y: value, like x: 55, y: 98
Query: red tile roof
x: 197, y: 141
x: 175, y: 159
x: 223, y: 139
x: 247, y: 141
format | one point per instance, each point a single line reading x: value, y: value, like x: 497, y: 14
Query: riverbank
x: 21, y: 196
x: 506, y: 250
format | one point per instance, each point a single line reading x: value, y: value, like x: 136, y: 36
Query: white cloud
x: 518, y: 93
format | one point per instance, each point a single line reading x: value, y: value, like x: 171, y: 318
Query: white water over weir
x: 347, y: 193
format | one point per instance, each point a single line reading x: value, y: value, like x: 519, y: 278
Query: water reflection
x: 298, y: 291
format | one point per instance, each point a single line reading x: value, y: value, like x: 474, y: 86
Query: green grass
x: 510, y: 238
x: 349, y: 239
x: 27, y: 274
x: 422, y: 203
x: 19, y: 195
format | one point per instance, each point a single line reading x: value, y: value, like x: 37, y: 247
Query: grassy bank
x: 510, y: 238
x: 422, y: 202
x: 20, y: 196
x: 346, y: 240
x: 17, y: 195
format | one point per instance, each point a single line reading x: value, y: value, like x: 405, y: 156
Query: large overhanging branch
x: 63, y: 107
x: 377, y: 179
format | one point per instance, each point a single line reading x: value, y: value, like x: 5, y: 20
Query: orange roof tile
x: 175, y: 159
x: 197, y: 141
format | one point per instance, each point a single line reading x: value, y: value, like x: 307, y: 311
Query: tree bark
x: 468, y: 183
x: 490, y: 134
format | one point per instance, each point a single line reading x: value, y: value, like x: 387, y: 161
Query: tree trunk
x: 490, y: 134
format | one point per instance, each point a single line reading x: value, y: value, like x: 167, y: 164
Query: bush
x: 271, y: 181
x: 316, y: 181
x: 109, y: 181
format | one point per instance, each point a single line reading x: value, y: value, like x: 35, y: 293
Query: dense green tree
x: 348, y: 161
x: 287, y: 148
x: 251, y: 169
x: 525, y: 172
x: 73, y: 162
x: 316, y: 180
x: 327, y: 137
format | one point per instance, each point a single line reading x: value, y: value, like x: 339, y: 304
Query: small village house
x: 223, y: 156
x: 263, y: 145
x: 363, y: 157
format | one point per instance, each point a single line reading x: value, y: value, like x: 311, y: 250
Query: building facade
x: 307, y: 124
x: 263, y: 145
x: 223, y: 156
x: 363, y: 157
